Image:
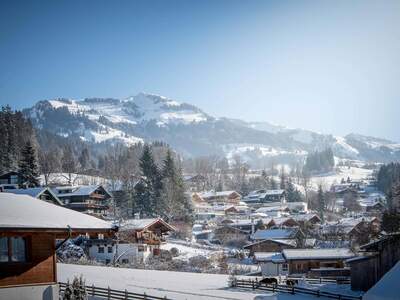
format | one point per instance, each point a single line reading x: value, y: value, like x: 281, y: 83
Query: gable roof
x: 272, y: 193
x: 9, y: 174
x: 284, y: 233
x: 306, y: 217
x: 35, y: 192
x: 287, y: 242
x: 142, y: 224
x: 83, y: 190
x: 236, y: 229
x: 306, y: 254
x: 281, y: 220
x: 212, y: 194
x: 22, y: 212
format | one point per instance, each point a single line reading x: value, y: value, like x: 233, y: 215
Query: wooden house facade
x: 377, y: 259
x: 304, y: 261
x: 270, y: 245
x: 92, y: 199
x: 28, y: 232
x: 147, y: 232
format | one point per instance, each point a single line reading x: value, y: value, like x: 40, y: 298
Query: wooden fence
x: 254, y: 284
x: 108, y: 293
x: 323, y: 280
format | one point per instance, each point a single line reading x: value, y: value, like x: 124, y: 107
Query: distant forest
x: 320, y: 161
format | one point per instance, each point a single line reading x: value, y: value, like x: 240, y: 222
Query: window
x: 3, y: 249
x: 140, y: 248
x: 284, y: 267
x: 109, y: 249
x: 101, y: 250
x: 14, y: 179
x: 12, y: 249
x: 18, y: 249
x: 124, y: 261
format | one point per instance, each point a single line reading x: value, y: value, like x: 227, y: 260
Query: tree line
x: 388, y: 181
x: 18, y: 147
x: 149, y: 176
x: 320, y: 161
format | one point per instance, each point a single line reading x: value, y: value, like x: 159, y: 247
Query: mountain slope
x: 147, y: 117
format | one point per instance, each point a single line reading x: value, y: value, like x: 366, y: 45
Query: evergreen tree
x: 176, y: 204
x: 317, y: 162
x: 321, y: 202
x: 282, y: 183
x: 142, y: 199
x: 292, y: 194
x: 273, y: 183
x: 394, y: 198
x: 15, y: 132
x: 390, y: 221
x: 150, y: 200
x: 28, y: 165
x: 84, y: 159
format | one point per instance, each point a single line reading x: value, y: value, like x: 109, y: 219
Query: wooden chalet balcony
x: 87, y: 205
x: 97, y: 196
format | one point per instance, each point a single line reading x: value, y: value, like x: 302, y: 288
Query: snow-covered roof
x: 281, y: 220
x: 241, y: 222
x: 285, y: 233
x: 140, y: 224
x: 369, y: 202
x: 300, y: 254
x: 26, y: 212
x: 305, y: 217
x: 288, y: 242
x: 83, y: 190
x: 34, y: 192
x: 212, y: 194
x: 386, y: 287
x: 265, y: 209
x: 271, y: 193
x: 352, y: 222
x: 275, y: 257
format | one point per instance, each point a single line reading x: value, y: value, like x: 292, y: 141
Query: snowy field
x: 335, y: 177
x: 174, y: 285
x: 186, y: 252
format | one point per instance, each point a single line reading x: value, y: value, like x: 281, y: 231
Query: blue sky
x: 330, y: 66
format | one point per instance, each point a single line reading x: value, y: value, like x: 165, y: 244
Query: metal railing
x: 108, y: 293
x: 255, y: 284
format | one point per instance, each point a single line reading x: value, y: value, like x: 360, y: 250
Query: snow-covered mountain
x: 147, y: 117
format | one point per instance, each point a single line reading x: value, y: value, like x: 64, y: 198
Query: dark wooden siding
x: 40, y: 267
x: 268, y: 246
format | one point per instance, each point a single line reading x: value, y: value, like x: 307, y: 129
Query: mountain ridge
x: 193, y: 132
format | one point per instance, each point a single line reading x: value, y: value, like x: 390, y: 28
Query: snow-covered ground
x: 186, y: 252
x: 328, y: 179
x: 174, y: 285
